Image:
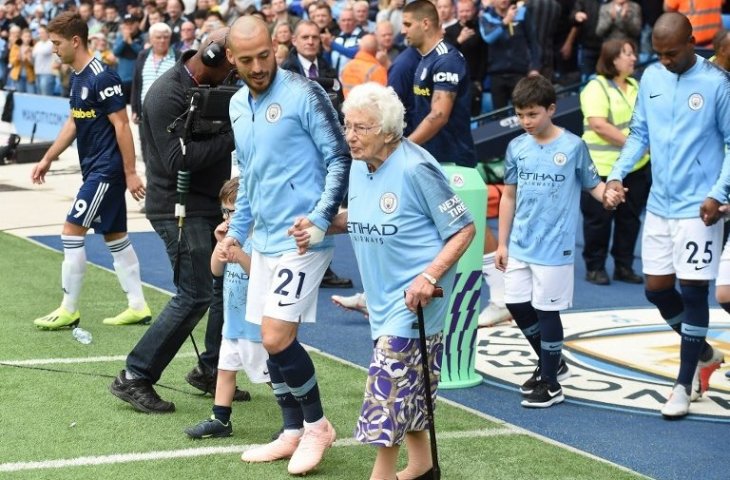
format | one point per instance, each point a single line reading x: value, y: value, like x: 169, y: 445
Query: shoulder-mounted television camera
x: 210, y: 115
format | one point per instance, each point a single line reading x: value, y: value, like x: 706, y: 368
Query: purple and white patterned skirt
x: 395, y: 401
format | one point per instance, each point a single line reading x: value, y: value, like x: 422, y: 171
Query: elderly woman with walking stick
x: 408, y: 229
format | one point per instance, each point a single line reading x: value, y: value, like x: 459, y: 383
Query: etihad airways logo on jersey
x: 110, y: 92
x: 540, y: 177
x: 618, y: 359
x: 370, y: 232
x: 81, y: 113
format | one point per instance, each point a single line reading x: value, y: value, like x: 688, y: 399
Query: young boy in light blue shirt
x: 241, y: 347
x: 545, y: 170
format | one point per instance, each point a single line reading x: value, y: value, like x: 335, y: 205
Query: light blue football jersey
x: 399, y: 219
x: 235, y: 295
x: 685, y: 120
x: 549, y: 180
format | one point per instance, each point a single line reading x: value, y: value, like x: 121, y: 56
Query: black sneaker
x: 544, y: 395
x: 211, y: 428
x: 202, y: 380
x: 206, y: 382
x: 531, y: 383
x: 140, y: 394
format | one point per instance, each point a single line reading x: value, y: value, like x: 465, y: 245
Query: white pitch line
x: 58, y: 361
x: 203, y: 451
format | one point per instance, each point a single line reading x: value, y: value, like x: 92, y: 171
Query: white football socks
x: 494, y: 279
x: 73, y: 269
x: 126, y: 265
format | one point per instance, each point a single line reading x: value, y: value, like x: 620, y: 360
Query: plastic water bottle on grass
x: 81, y: 335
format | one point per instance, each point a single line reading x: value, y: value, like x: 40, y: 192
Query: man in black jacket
x: 208, y: 159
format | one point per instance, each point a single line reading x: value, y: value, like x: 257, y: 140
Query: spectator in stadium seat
x: 387, y: 50
x: 343, y: 47
x: 360, y: 10
x: 683, y: 112
x: 464, y: 35
x: 619, y: 19
x: 607, y: 103
x: 128, y: 44
x: 582, y: 36
x: 509, y: 31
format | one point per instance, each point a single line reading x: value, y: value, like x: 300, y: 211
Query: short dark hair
x: 610, y: 50
x: 423, y: 9
x: 229, y: 191
x: 69, y: 25
x: 534, y: 90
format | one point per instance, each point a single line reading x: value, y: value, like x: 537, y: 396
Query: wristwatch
x: 431, y: 279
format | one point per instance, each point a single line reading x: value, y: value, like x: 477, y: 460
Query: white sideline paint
x: 58, y: 361
x: 204, y: 451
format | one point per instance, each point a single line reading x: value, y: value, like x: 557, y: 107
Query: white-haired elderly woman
x: 408, y: 229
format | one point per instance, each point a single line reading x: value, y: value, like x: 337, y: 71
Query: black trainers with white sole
x: 544, y: 395
x: 531, y: 383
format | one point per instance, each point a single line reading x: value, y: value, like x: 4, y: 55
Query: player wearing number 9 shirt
x: 683, y: 113
x: 99, y: 123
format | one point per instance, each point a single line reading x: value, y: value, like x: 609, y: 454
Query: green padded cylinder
x: 460, y: 324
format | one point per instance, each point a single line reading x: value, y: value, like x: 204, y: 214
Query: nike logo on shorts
x: 553, y: 300
x: 701, y: 268
x: 654, y: 95
x: 286, y: 304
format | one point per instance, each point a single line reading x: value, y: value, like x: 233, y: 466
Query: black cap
x: 131, y: 18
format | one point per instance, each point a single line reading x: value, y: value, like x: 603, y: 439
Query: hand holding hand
x: 710, y: 211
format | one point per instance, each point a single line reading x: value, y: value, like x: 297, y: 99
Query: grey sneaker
x: 211, y: 428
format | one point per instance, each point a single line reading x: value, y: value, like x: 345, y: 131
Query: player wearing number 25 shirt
x: 98, y: 121
x: 683, y: 113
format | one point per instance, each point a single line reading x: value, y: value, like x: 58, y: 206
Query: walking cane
x: 438, y: 292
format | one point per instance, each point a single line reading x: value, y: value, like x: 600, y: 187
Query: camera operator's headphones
x: 215, y: 53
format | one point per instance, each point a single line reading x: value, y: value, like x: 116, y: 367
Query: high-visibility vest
x: 362, y: 69
x: 602, y: 98
x: 704, y: 15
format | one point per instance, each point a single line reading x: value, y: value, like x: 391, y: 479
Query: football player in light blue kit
x: 294, y: 164
x: 683, y: 113
x: 545, y: 171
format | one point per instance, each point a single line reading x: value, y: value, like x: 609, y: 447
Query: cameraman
x: 208, y: 158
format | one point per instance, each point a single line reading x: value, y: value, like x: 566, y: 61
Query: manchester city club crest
x: 620, y: 359
x: 559, y: 159
x: 84, y: 93
x: 695, y: 101
x: 388, y: 202
x: 273, y: 113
